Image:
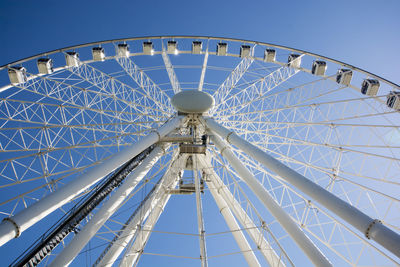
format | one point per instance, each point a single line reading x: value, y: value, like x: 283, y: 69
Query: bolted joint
x: 370, y: 226
x: 220, y: 211
x: 227, y: 137
x: 158, y: 134
x: 222, y: 150
x: 264, y: 225
x: 17, y: 228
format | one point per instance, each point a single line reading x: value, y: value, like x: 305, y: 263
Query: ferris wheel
x: 189, y: 150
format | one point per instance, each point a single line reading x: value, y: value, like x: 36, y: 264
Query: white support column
x: 133, y: 253
x: 200, y: 221
x: 12, y: 227
x: 240, y: 239
x: 108, y: 209
x: 372, y: 229
x: 258, y: 238
x: 294, y: 230
x: 169, y: 180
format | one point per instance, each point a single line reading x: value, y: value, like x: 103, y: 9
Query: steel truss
x: 48, y: 243
x: 303, y: 168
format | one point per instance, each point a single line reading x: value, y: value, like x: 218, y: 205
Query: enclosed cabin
x: 72, y: 59
x: 370, y: 87
x: 172, y: 47
x: 123, y: 50
x: 245, y: 51
x: 197, y: 47
x: 269, y: 55
x: 98, y: 54
x: 318, y: 68
x: 343, y: 76
x: 294, y: 61
x: 222, y: 49
x: 45, y: 65
x: 393, y: 100
x: 17, y: 75
x: 148, y: 48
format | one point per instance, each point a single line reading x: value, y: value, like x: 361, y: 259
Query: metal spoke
x: 171, y: 73
x: 203, y: 71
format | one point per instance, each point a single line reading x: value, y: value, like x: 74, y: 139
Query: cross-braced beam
x: 108, y: 209
x: 199, y: 209
x: 254, y: 92
x: 171, y: 73
x: 131, y: 230
x: 151, y: 89
x: 133, y: 253
x: 203, y: 71
x: 14, y: 226
x: 224, y: 209
x: 302, y: 240
x: 258, y: 238
x: 371, y: 228
x: 230, y: 82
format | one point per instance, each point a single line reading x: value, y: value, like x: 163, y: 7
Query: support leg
x: 302, y: 240
x: 133, y: 253
x: 12, y: 227
x: 240, y: 239
x: 169, y: 180
x: 258, y: 238
x: 370, y: 227
x: 105, y: 212
x: 200, y: 222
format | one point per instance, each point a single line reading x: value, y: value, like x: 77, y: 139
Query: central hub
x: 192, y: 101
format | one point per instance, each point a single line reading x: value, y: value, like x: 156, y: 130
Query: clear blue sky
x: 365, y: 33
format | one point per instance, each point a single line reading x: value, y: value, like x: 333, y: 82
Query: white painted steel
x: 133, y: 253
x: 240, y: 239
x: 258, y: 88
x: 203, y: 70
x: 199, y: 209
x: 171, y: 73
x: 258, y: 238
x: 302, y: 240
x: 169, y: 180
x: 230, y: 82
x: 152, y: 90
x: 105, y: 212
x: 37, y: 211
x: 379, y: 232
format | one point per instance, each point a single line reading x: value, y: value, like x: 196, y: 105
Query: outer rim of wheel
x: 397, y: 86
